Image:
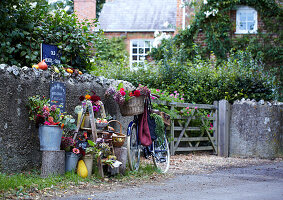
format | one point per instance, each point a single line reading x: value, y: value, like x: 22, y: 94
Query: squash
x: 82, y: 170
x: 42, y: 65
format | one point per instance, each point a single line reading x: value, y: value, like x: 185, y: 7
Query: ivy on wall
x: 218, y: 29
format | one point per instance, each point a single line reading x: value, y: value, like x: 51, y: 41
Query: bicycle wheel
x: 133, y: 148
x: 161, y: 154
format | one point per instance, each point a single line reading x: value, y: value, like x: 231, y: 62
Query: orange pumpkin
x: 42, y: 65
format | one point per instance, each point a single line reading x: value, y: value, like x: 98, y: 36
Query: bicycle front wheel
x: 133, y: 148
x: 161, y: 154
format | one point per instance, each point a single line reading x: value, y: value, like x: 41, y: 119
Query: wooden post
x: 223, y: 128
x: 215, y: 125
x: 172, y: 152
x: 53, y: 163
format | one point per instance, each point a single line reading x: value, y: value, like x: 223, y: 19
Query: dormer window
x: 246, y: 20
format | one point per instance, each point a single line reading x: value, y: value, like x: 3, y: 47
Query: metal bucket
x: 71, y: 161
x: 88, y: 159
x: 50, y: 137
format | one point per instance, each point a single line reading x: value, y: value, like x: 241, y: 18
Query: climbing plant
x: 211, y: 19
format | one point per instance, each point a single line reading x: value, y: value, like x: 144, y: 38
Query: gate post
x: 223, y: 128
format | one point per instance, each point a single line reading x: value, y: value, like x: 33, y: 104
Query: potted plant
x: 50, y: 122
x: 72, y: 153
x: 130, y: 102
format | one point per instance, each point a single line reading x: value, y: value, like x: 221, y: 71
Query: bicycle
x: 158, y: 150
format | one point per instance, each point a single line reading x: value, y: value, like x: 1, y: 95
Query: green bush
x: 203, y: 82
x: 25, y: 25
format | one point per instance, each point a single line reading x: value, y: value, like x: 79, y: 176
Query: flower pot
x: 50, y: 137
x: 71, y: 160
x: 86, y: 122
x: 88, y: 159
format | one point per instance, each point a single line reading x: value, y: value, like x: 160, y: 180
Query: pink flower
x: 53, y: 107
x: 76, y: 151
x: 123, y: 93
x: 153, y: 97
x: 188, y: 112
x: 162, y: 93
x: 210, y: 128
x: 157, y: 90
x: 175, y: 97
x: 208, y: 115
x: 187, y: 107
x: 182, y: 98
x: 171, y: 95
x: 196, y: 107
x: 175, y: 92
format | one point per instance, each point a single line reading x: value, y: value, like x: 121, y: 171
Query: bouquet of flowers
x: 42, y: 112
x: 120, y: 95
x: 95, y: 100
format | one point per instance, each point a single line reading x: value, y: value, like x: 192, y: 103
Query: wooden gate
x: 197, y: 132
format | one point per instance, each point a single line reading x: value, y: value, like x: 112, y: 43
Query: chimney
x: 85, y: 9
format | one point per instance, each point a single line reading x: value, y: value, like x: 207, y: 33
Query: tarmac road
x: 264, y: 182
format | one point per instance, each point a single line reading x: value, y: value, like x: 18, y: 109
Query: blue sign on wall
x: 58, y: 95
x: 50, y: 54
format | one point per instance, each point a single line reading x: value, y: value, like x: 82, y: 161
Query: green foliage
x: 240, y: 76
x: 109, y: 52
x: 266, y: 45
x: 24, y: 26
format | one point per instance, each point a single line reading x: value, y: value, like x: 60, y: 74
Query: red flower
x: 123, y: 93
x: 137, y: 93
x: 122, y: 89
x: 131, y: 94
x: 95, y: 98
x: 82, y: 98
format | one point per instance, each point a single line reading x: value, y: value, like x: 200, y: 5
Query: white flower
x: 207, y: 13
x: 204, y: 1
x: 32, y: 5
x: 156, y: 33
x: 189, y: 26
x: 214, y: 12
x: 166, y: 24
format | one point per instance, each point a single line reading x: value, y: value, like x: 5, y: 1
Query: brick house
x: 137, y: 20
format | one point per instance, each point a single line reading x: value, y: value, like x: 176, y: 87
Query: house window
x: 246, y: 20
x: 139, y: 50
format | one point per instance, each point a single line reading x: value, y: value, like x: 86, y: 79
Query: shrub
x: 25, y: 25
x: 203, y: 82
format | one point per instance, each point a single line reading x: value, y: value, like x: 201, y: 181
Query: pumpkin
x: 42, y: 65
x: 82, y: 170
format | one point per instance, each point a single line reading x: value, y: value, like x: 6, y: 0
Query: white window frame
x: 140, y: 45
x: 245, y: 9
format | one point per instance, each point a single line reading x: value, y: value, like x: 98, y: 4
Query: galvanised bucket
x: 50, y: 137
x: 71, y: 161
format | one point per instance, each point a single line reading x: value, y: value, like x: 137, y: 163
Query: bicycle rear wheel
x: 161, y: 154
x: 133, y: 148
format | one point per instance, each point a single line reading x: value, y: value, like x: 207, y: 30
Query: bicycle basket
x: 133, y: 106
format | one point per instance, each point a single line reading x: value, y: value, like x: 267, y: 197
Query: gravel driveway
x: 198, y: 177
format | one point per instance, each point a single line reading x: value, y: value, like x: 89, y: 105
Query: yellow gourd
x: 82, y: 170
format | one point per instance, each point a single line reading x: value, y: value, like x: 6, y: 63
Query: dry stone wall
x: 19, y: 142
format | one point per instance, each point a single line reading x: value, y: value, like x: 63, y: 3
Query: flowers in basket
x: 42, y: 112
x: 120, y: 95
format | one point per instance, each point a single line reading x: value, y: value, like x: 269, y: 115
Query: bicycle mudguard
x: 129, y: 128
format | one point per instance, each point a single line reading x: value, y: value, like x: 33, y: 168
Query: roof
x: 138, y: 16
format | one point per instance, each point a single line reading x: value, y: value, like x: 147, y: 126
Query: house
x: 137, y: 20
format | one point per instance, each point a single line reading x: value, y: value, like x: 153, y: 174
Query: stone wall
x: 19, y: 142
x: 256, y: 129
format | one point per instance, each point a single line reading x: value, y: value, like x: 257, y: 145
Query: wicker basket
x: 120, y: 138
x: 133, y: 106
